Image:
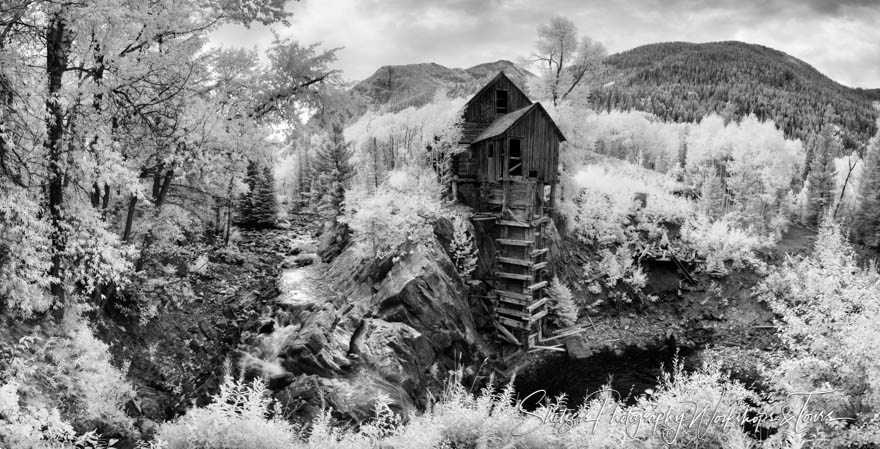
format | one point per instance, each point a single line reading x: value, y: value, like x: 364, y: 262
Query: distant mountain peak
x: 396, y: 87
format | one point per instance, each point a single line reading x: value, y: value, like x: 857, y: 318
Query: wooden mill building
x: 507, y: 171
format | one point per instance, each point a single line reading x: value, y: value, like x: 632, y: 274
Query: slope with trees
x: 684, y: 82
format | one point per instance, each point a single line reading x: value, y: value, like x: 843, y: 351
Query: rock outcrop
x: 389, y: 328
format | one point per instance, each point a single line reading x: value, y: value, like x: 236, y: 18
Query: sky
x: 841, y: 38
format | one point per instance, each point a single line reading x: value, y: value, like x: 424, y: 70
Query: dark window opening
x: 501, y: 102
x: 491, y: 150
x: 514, y: 159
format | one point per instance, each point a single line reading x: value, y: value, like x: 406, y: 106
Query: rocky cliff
x: 389, y: 328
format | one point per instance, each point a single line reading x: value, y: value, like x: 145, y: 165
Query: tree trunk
x: 161, y: 185
x: 58, y: 41
x: 106, y: 200
x: 129, y: 218
x: 228, y: 212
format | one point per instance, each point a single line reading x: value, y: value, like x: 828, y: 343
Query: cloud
x: 838, y: 37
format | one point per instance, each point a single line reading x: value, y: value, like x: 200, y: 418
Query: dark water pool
x: 630, y: 373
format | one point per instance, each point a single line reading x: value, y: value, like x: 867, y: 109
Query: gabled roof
x: 503, y: 123
x: 493, y: 81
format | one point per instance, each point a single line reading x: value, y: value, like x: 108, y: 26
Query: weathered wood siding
x: 482, y: 107
x: 490, y: 165
x: 465, y: 165
x: 539, y: 144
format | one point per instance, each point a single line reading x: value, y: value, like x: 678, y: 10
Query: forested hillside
x: 676, y: 81
x: 401, y: 86
x: 683, y: 82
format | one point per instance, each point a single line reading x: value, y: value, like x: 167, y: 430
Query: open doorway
x: 514, y: 158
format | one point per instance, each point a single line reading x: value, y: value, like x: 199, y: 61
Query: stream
x: 630, y: 374
x: 296, y: 283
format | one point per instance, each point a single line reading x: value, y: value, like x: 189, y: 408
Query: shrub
x: 464, y: 252
x: 402, y: 210
x: 563, y: 311
x: 30, y: 427
x: 831, y: 321
x: 73, y: 371
x: 721, y: 242
x: 240, y: 417
x: 24, y: 254
x: 97, y: 390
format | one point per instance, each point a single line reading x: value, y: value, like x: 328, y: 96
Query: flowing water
x: 297, y: 291
x: 630, y: 374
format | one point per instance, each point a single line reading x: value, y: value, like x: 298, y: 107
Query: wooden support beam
x: 514, y: 261
x: 537, y: 348
x: 512, y: 312
x: 540, y: 221
x: 514, y: 301
x: 516, y: 276
x: 538, y: 316
x: 537, y: 304
x: 537, y: 286
x: 514, y: 242
x: 514, y: 295
x: 513, y: 323
x: 515, y: 224
x: 566, y: 333
x: 506, y: 333
x: 540, y: 266
x: 683, y: 268
x: 538, y: 252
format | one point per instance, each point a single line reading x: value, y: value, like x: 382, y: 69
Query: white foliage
x: 464, y: 252
x: 394, y: 215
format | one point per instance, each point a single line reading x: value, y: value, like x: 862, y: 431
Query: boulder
x: 333, y: 241
x: 392, y: 324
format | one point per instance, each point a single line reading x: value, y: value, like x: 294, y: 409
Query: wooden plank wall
x: 482, y: 108
x: 489, y: 170
x: 465, y: 165
x: 540, y: 145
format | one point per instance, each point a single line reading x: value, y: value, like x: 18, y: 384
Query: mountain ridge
x: 396, y: 87
x: 682, y: 82
x: 677, y: 81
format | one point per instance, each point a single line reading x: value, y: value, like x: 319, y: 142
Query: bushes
x: 563, y: 311
x: 71, y: 371
x: 464, y: 252
x: 721, y: 242
x: 401, y: 210
x: 492, y: 419
x: 24, y: 254
x: 606, y: 216
x: 831, y: 314
x: 238, y: 418
x: 26, y: 427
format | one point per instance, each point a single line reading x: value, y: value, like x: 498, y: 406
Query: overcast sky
x: 841, y: 38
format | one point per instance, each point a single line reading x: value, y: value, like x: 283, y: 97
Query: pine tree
x: 810, y: 149
x: 333, y: 171
x: 563, y: 311
x: 712, y: 195
x: 822, y: 176
x: 867, y: 217
x: 258, y: 207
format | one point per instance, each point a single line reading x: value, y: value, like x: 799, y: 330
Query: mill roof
x: 506, y: 121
